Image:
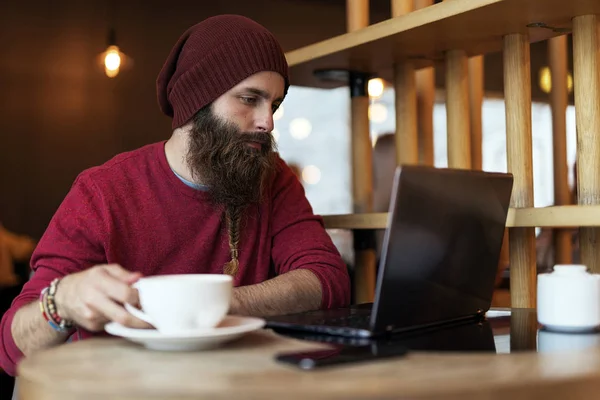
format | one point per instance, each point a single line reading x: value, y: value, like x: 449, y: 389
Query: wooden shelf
x: 476, y: 26
x: 557, y: 216
x: 356, y: 221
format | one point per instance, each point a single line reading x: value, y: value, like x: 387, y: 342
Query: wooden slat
x: 557, y: 58
x: 476, y: 26
x: 425, y: 84
x: 586, y: 76
x: 407, y: 151
x: 356, y: 221
x: 517, y: 96
x: 475, y: 109
x: 357, y: 14
x: 362, y: 154
x: 457, y: 109
x: 476, y: 93
x: 401, y: 7
x: 425, y: 88
x: 557, y: 216
x: 362, y: 166
x: 523, y: 331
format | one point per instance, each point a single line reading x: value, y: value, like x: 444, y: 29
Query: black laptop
x: 439, y: 257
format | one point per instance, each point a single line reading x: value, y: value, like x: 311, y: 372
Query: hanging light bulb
x: 113, y: 60
x: 375, y: 88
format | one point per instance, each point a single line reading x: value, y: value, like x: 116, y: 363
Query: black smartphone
x: 312, y: 359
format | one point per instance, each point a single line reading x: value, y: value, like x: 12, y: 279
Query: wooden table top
x: 117, y: 369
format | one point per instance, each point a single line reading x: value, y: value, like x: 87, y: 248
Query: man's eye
x: 248, y: 100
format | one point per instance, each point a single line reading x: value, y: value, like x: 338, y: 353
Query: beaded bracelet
x: 48, y: 309
x: 42, y: 302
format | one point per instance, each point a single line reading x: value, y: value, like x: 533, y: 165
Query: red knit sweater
x: 135, y: 212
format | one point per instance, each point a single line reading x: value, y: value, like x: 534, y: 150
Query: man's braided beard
x: 220, y: 157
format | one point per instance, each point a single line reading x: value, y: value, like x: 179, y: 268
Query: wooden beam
x: 475, y: 109
x: 557, y: 58
x: 556, y: 216
x: 457, y: 110
x: 362, y: 164
x: 356, y: 221
x: 425, y: 89
x: 357, y: 14
x: 523, y: 331
x: 362, y: 155
x: 517, y: 92
x: 401, y: 7
x: 424, y: 35
x: 586, y: 76
x: 407, y: 151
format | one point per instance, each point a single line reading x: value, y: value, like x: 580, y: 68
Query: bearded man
x: 214, y: 198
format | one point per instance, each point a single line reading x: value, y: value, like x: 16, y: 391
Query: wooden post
x: 475, y: 105
x: 587, y: 113
x: 457, y: 110
x: 517, y: 93
x: 357, y: 14
x: 362, y: 188
x: 362, y: 165
x: 407, y: 151
x: 523, y: 331
x: 557, y: 57
x: 401, y: 7
x: 425, y: 88
x: 476, y: 92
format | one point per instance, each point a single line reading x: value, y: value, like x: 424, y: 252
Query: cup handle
x: 138, y: 313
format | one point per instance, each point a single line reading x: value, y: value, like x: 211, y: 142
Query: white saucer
x: 232, y: 327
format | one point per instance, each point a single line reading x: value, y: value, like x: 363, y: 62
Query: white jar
x: 558, y: 342
x: 568, y: 299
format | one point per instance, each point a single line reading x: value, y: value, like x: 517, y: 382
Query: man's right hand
x: 94, y: 297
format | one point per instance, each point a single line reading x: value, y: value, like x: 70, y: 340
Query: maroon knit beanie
x: 212, y: 57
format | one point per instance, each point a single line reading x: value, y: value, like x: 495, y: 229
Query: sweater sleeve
x: 300, y: 241
x: 74, y: 240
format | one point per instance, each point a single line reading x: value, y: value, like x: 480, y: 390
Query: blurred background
x: 60, y: 112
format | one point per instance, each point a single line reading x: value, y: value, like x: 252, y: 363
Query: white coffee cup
x: 568, y: 299
x: 179, y: 303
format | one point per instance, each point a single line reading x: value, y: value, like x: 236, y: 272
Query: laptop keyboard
x: 350, y: 321
x: 353, y: 321
x: 327, y: 337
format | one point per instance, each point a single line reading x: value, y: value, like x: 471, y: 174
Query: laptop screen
x: 442, y: 246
